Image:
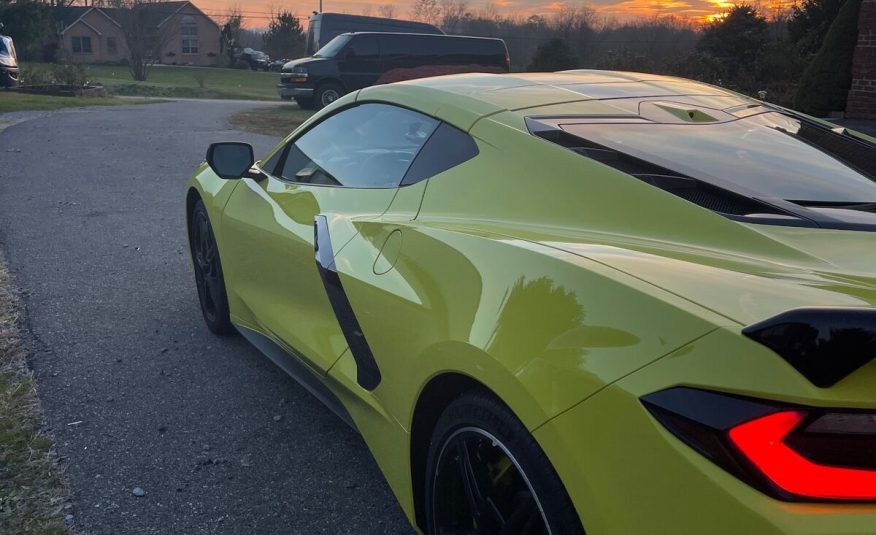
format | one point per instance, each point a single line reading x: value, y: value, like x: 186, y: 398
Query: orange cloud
x: 257, y: 12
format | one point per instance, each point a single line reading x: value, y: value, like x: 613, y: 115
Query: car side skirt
x: 292, y: 365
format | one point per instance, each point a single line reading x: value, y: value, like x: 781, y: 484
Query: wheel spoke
x: 491, y: 494
x: 469, y: 483
x: 212, y: 287
x: 478, y: 492
x: 526, y: 517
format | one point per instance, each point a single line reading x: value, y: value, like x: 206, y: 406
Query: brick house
x: 94, y: 35
x: 862, y: 97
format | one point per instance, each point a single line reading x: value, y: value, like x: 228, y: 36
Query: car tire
x: 327, y: 93
x: 208, y: 272
x: 526, y: 498
x: 304, y: 103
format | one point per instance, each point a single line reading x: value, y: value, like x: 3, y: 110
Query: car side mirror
x: 230, y: 160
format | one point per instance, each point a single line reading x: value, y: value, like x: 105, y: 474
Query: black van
x: 352, y: 61
x: 323, y: 27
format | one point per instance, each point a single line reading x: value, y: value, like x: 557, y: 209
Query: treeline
x: 745, y: 49
x: 800, y: 57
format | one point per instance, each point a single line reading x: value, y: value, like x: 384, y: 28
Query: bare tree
x: 386, y: 10
x: 60, y: 3
x: 144, y: 36
x: 426, y: 11
x: 453, y: 12
x: 570, y: 20
x: 229, y: 38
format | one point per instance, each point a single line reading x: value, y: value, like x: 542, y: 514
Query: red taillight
x: 791, y: 453
x: 762, y: 441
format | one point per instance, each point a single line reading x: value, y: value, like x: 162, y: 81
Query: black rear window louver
x: 692, y: 190
x: 855, y: 152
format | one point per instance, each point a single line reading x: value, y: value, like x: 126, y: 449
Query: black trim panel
x: 824, y: 344
x: 701, y: 419
x: 298, y: 371
x: 446, y: 148
x: 367, y: 372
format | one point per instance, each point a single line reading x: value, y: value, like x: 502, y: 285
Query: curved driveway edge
x: 217, y: 437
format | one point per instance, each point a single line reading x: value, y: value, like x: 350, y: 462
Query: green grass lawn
x: 13, y: 101
x: 176, y: 81
x: 272, y: 121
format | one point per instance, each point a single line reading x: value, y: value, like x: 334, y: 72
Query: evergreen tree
x: 554, y: 55
x: 285, y: 37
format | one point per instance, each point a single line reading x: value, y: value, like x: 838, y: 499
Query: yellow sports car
x: 589, y: 301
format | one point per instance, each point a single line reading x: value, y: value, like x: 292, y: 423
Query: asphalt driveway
x: 135, y: 389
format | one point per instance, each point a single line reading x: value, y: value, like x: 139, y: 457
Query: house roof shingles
x: 65, y: 16
x: 155, y: 13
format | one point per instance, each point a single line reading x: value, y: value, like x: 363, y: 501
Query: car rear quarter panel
x: 611, y: 454
x: 541, y: 328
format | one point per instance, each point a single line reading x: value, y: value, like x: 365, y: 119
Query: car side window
x: 366, y: 146
x: 447, y: 148
x: 363, y: 47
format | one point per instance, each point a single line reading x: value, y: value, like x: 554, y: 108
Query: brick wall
x: 862, y: 96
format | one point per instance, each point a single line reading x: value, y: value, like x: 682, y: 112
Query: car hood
x: 308, y: 61
x: 809, y: 267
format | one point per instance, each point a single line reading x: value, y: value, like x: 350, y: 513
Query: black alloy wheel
x: 208, y: 272
x: 486, y: 475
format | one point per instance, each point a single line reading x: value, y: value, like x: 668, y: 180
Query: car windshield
x: 332, y: 48
x: 6, y: 50
x: 769, y: 155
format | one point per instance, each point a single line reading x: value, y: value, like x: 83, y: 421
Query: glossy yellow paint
x: 597, y: 449
x: 565, y: 287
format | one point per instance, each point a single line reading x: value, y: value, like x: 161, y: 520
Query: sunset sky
x: 257, y: 12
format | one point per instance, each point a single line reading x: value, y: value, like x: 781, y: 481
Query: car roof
x: 464, y: 98
x: 417, y: 34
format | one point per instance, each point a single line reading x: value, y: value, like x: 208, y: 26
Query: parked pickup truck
x: 8, y: 63
x: 352, y: 61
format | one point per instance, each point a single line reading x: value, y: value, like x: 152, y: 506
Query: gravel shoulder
x: 136, y: 391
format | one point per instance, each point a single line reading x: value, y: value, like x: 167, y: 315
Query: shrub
x: 71, y: 74
x: 36, y: 76
x: 200, y: 76
x: 825, y: 84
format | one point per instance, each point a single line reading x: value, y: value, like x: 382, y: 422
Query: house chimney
x: 862, y: 97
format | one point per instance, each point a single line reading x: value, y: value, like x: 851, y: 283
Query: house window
x: 81, y: 45
x: 189, y: 32
x: 111, y: 47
